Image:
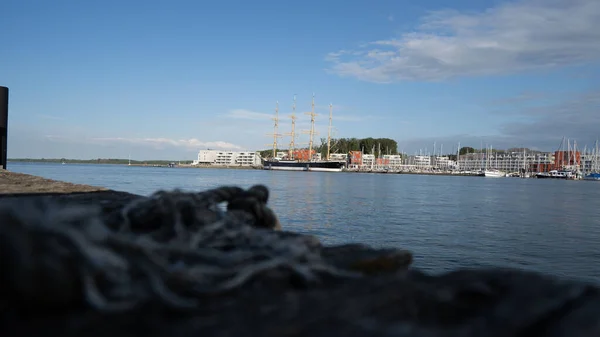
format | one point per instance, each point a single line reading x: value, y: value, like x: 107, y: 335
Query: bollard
x: 3, y: 125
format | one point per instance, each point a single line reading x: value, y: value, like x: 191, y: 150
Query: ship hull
x: 556, y: 175
x: 315, y: 166
x: 494, y: 174
x: 325, y: 169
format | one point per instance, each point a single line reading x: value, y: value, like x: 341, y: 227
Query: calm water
x: 447, y: 222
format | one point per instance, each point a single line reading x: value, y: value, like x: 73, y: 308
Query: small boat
x: 494, y: 174
x: 595, y: 172
x: 556, y: 174
x: 592, y: 176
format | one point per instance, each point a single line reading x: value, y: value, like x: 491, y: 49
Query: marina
x: 567, y: 162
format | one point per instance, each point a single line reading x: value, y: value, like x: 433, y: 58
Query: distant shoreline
x: 125, y: 162
x: 97, y: 161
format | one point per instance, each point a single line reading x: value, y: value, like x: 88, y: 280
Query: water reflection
x: 448, y: 222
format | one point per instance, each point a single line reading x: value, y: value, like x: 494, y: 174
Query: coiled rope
x: 172, y: 248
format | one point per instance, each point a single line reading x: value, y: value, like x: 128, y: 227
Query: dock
x: 19, y: 186
x: 20, y: 183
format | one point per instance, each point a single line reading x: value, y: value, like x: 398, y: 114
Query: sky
x: 164, y: 79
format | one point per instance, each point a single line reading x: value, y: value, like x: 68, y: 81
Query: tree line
x: 345, y: 145
x: 374, y: 145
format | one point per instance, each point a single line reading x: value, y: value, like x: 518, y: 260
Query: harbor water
x: 545, y: 225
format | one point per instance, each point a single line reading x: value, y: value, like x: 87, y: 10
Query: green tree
x: 466, y: 149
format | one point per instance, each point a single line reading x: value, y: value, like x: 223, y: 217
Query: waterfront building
x: 227, y: 158
x: 507, y: 161
x: 443, y: 163
x: 589, y: 162
x: 368, y: 161
x: 419, y: 162
x: 427, y: 163
x: 393, y: 160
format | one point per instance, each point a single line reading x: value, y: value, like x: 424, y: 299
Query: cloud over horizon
x: 541, y: 128
x: 512, y: 37
x: 161, y: 143
x: 191, y: 144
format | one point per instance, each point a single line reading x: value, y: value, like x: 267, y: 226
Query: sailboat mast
x: 458, y: 156
x: 276, y: 125
x: 482, y: 153
x: 596, y: 157
x: 293, y: 133
x: 595, y: 166
x: 312, y: 127
x: 574, y: 155
x: 329, y: 131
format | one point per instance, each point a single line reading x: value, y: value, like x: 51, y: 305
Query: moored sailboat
x: 492, y: 172
x: 595, y: 169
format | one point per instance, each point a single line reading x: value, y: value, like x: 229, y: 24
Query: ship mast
x: 275, y: 127
x: 329, y: 131
x: 293, y: 133
x: 312, y: 127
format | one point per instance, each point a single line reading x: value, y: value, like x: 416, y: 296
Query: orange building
x: 356, y: 158
x: 541, y: 167
x: 561, y: 159
x: 564, y: 158
x: 303, y: 155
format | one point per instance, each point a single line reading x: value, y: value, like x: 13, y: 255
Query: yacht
x: 494, y: 174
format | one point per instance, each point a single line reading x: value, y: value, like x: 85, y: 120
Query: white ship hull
x: 287, y: 168
x: 322, y: 169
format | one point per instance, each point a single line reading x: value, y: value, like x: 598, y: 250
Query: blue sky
x: 163, y: 79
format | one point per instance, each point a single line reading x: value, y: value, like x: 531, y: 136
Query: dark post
x: 3, y: 125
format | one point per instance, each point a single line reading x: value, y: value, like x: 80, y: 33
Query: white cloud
x: 512, y: 37
x: 157, y: 143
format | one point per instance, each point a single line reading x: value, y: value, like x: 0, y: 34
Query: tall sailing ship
x: 301, y: 159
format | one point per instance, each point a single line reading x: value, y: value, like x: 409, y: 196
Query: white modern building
x: 392, y: 160
x: 420, y: 161
x: 368, y: 160
x: 504, y: 161
x: 427, y: 162
x: 443, y: 162
x: 227, y: 158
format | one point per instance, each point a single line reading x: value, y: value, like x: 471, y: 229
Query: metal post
x: 3, y: 125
